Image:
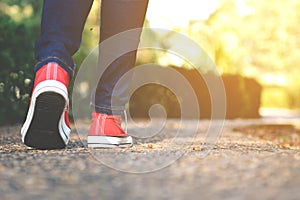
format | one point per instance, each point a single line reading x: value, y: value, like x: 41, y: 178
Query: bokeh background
x: 254, y: 44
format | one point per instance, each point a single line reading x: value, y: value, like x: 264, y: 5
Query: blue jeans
x: 62, y: 25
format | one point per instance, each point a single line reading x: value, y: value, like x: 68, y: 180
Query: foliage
x: 16, y: 61
x: 242, y: 96
x: 20, y: 28
x: 258, y: 39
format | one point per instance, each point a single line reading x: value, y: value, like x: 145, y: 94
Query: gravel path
x: 241, y: 165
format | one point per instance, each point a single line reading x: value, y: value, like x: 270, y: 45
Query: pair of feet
x: 47, y: 125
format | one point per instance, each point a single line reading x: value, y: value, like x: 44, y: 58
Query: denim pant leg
x: 61, y: 30
x: 117, y: 16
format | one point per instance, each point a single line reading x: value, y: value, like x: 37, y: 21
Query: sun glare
x: 169, y: 14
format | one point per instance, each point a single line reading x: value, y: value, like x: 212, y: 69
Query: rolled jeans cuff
x: 70, y: 68
x: 115, y: 110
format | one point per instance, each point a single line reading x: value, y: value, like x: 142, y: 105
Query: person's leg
x: 47, y: 125
x: 61, y: 31
x: 117, y: 16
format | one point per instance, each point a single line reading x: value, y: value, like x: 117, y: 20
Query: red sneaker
x: 47, y: 124
x: 106, y: 132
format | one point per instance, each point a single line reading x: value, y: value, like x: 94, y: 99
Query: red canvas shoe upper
x: 67, y: 121
x: 51, y: 71
x: 106, y: 125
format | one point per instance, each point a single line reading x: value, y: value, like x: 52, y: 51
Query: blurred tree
x: 249, y: 37
x: 257, y: 39
x: 19, y: 29
x: 19, y: 25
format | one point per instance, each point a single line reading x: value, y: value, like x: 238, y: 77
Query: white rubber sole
x: 47, y: 107
x: 109, y: 142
